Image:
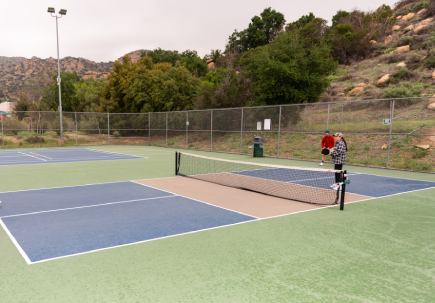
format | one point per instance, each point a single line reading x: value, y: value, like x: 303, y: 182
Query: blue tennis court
x: 361, y: 184
x: 52, y: 223
x: 59, y: 156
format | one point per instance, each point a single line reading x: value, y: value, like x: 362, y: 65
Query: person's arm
x: 323, y: 142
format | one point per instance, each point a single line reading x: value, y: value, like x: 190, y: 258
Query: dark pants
x: 338, y: 175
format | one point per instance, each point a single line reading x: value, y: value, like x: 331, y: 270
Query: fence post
x: 391, y: 129
x: 327, y: 119
x: 108, y: 129
x: 241, y: 133
x: 3, y: 141
x: 166, y: 129
x: 279, y: 130
x: 303, y: 119
x: 39, y: 129
x: 341, y: 118
x: 149, y: 128
x: 187, y: 127
x: 211, y: 130
x: 75, y: 119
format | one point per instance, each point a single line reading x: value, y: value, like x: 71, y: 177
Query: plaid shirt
x: 339, y: 153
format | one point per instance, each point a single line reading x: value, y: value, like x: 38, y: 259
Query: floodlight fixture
x: 62, y: 12
x: 50, y: 10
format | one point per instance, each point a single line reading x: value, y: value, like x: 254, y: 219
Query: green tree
x: 261, y: 31
x: 214, y: 55
x: 336, y: 19
x: 287, y: 72
x: 303, y: 21
x: 160, y: 56
x: 197, y: 66
x: 51, y: 93
x: 87, y: 93
x: 315, y: 32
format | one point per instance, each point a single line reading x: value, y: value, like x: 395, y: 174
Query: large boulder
x: 431, y: 106
x: 433, y: 75
x: 419, y: 28
x: 209, y: 61
x: 361, y: 84
x: 211, y: 66
x: 423, y: 146
x: 383, y: 81
x: 409, y: 28
x: 356, y: 90
x: 422, y: 11
x: 403, y: 49
x: 388, y: 40
x: 373, y: 42
x: 401, y: 64
x: 427, y: 21
x: 407, y: 17
x: 396, y: 27
x: 398, y: 18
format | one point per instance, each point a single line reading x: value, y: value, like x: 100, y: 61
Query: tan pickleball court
x: 243, y: 201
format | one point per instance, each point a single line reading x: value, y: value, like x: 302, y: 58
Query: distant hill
x: 32, y: 75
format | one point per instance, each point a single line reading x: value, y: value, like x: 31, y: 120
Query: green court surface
x: 379, y: 250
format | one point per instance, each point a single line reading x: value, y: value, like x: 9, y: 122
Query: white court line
x: 10, y: 156
x: 32, y: 156
x: 191, y: 232
x: 393, y: 177
x: 86, y: 206
x: 109, y: 152
x: 18, y: 246
x: 206, y: 229
x: 74, y: 161
x: 196, y: 200
x: 133, y: 243
x: 16, y: 191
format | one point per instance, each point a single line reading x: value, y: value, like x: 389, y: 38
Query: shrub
x: 402, y: 90
x: 430, y: 11
x: 418, y: 153
x: 116, y: 134
x: 420, y: 5
x: 402, y: 74
x: 35, y: 139
x: 12, y: 125
x: 430, y: 61
x: 393, y: 58
x: 405, y: 40
x: 413, y: 60
x: 348, y: 89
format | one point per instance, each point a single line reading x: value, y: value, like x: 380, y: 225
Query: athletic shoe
x: 321, y: 163
x: 334, y: 186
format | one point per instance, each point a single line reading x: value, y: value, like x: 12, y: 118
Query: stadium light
x: 62, y: 12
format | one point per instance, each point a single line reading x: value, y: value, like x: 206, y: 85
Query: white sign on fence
x: 386, y: 121
x: 258, y: 125
x: 187, y: 122
x: 267, y: 124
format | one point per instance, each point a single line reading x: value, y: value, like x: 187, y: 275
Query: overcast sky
x: 103, y: 31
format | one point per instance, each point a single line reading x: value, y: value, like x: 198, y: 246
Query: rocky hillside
x: 402, y: 65
x: 32, y: 75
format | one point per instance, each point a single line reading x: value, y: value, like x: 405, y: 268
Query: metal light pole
x: 62, y: 12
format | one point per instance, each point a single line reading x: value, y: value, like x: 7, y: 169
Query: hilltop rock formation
x: 134, y: 55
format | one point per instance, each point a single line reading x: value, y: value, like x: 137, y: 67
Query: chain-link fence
x: 396, y: 133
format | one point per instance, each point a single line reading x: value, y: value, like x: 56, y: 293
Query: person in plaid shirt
x: 338, y: 156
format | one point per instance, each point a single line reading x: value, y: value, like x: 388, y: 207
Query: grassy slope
x: 378, y: 251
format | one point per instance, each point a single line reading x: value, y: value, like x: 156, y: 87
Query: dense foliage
x: 267, y: 63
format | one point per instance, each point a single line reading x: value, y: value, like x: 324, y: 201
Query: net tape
x: 310, y: 185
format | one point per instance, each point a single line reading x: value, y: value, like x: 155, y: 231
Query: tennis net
x: 295, y: 183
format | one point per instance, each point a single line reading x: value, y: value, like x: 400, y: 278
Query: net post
x: 343, y: 189
x: 391, y: 129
